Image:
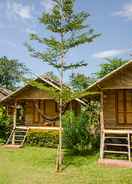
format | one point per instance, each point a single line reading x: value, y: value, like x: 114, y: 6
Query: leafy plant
x: 81, y: 134
x: 43, y: 138
x: 5, y: 125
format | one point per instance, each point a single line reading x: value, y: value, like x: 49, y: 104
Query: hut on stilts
x: 115, y: 91
x: 33, y: 108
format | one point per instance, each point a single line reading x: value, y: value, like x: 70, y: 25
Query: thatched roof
x: 44, y: 78
x: 97, y: 85
x: 4, y: 92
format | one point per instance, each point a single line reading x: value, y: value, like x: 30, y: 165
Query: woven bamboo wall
x: 32, y: 115
x: 32, y: 93
x: 117, y: 108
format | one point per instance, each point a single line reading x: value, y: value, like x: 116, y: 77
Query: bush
x: 5, y: 125
x: 81, y: 134
x: 43, y: 138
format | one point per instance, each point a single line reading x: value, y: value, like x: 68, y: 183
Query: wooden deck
x: 118, y: 131
x: 38, y: 127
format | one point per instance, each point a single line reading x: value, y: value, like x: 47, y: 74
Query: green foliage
x: 11, y: 73
x: 80, y: 82
x: 109, y: 66
x: 52, y: 76
x: 69, y: 30
x: 81, y: 134
x: 5, y: 125
x: 43, y: 138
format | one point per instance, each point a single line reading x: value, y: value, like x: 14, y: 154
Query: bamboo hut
x: 115, y: 91
x: 33, y: 108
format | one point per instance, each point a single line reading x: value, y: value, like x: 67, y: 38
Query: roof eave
x: 98, y: 82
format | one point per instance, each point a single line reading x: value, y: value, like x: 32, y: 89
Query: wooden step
x: 18, y: 140
x: 111, y: 144
x: 119, y: 152
x: 20, y: 131
x: 19, y: 135
x: 115, y: 137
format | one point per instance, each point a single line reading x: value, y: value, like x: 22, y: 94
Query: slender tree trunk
x: 61, y: 104
x: 14, y: 122
x: 60, y: 157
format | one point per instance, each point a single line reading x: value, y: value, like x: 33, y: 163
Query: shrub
x: 5, y: 125
x: 43, y: 138
x: 81, y: 134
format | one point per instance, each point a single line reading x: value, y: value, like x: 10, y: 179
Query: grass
x: 31, y: 165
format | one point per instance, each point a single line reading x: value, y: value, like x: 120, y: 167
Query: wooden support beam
x: 129, y: 148
x: 39, y: 110
x: 124, y: 106
x: 14, y: 122
x: 33, y: 106
x: 102, y: 127
x: 116, y: 107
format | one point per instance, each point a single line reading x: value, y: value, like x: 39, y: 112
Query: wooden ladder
x: 19, y: 136
x: 10, y: 137
x: 116, y: 143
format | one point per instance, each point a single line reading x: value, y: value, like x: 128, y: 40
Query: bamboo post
x: 102, y: 128
x: 129, y: 148
x: 14, y: 122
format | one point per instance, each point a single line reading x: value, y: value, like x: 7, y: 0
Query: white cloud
x: 126, y: 11
x: 8, y: 43
x: 11, y: 44
x: 19, y: 10
x: 48, y: 5
x: 111, y: 53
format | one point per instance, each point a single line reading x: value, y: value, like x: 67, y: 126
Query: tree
x: 69, y: 30
x: 11, y: 73
x: 109, y: 66
x: 51, y: 75
x: 80, y: 82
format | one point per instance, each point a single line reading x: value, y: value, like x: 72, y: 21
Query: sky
x: 113, y: 19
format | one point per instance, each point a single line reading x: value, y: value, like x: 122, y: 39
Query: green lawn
x: 32, y: 165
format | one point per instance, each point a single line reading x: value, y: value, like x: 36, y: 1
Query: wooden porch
x: 116, y: 123
x: 37, y: 128
x: 32, y: 108
x: 116, y: 142
x: 31, y: 114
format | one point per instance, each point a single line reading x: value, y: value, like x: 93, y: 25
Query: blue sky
x: 111, y: 18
